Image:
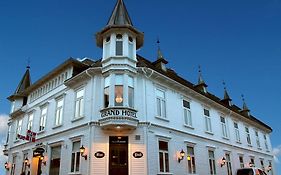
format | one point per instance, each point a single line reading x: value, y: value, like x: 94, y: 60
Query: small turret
x: 226, y: 99
x: 245, y: 110
x: 202, y: 86
x: 161, y: 61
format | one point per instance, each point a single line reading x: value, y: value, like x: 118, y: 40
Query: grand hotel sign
x: 118, y: 112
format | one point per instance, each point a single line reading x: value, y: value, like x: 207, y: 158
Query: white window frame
x: 131, y: 86
x: 43, y: 117
x: 19, y: 128
x: 248, y: 136
x: 208, y: 122
x: 79, y: 103
x: 187, y: 113
x: 257, y: 139
x: 121, y: 40
x: 106, y: 87
x: 237, y: 133
x: 212, y: 166
x: 59, y: 111
x: 30, y: 121
x: 75, y: 158
x: 161, y: 103
x: 224, y: 127
x: 165, y: 153
x: 265, y: 142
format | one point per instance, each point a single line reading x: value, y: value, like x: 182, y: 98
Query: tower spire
x: 120, y: 15
x: 245, y: 109
x: 202, y: 86
x: 160, y: 61
x: 226, y: 99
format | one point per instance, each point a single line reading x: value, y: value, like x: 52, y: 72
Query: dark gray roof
x: 23, y: 85
x: 120, y: 15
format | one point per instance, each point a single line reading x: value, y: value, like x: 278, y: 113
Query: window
x: 163, y: 156
x: 265, y: 142
x: 212, y: 162
x: 75, y: 157
x: 248, y: 135
x: 59, y: 109
x: 223, y: 127
x: 228, y: 164
x: 262, y: 164
x: 118, y: 90
x: 161, y: 103
x: 106, y: 92
x: 24, y: 165
x: 252, y: 160
x: 208, y: 123
x: 241, y: 161
x: 13, y: 106
x: 30, y: 122
x: 43, y: 117
x: 131, y: 91
x: 270, y: 164
x: 119, y: 45
x: 237, y: 134
x: 187, y: 113
x: 257, y: 139
x: 8, y: 134
x: 191, y: 160
x: 79, y: 103
x: 13, y: 168
x: 19, y: 126
x: 55, y: 160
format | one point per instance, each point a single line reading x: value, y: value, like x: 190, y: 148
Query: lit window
x: 161, y: 103
x: 43, y: 118
x: 75, y: 157
x: 212, y: 162
x: 55, y: 160
x: 119, y: 45
x: 106, y: 92
x: 24, y: 165
x: 248, y: 135
x: 257, y: 139
x: 228, y: 164
x: 223, y: 127
x: 79, y: 103
x: 59, y: 109
x: 163, y: 156
x: 191, y: 160
x: 30, y: 122
x: 241, y: 161
x: 131, y: 91
x: 237, y: 134
x: 208, y: 123
x: 118, y: 90
x: 187, y: 113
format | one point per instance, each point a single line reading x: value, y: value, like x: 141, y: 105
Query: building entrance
x: 118, y: 155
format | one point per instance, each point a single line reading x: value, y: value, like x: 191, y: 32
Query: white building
x: 132, y: 116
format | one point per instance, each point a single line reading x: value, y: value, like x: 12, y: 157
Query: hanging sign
x: 137, y: 154
x: 122, y: 112
x: 99, y: 154
x: 38, y: 152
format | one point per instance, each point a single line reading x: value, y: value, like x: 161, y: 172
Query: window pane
x: 119, y: 48
x: 167, y: 162
x: 158, y: 107
x: 118, y: 79
x: 161, y: 163
x: 118, y: 95
x: 106, y: 97
x: 72, y: 161
x: 206, y: 112
x: 77, y: 161
x: 160, y: 93
x: 186, y: 104
x: 130, y: 81
x: 163, y: 145
x: 80, y: 93
x: 106, y: 81
x: 131, y: 96
x: 76, y: 146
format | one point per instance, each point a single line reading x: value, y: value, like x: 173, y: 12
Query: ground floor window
x: 191, y: 160
x: 75, y: 157
x: 241, y: 161
x: 228, y: 164
x: 55, y: 160
x: 163, y: 156
x: 212, y: 162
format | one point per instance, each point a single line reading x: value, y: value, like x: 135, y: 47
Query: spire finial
x: 28, y: 63
x: 159, y: 53
x: 226, y: 97
x: 200, y: 80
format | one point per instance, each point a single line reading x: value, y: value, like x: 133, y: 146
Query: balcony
x: 118, y: 118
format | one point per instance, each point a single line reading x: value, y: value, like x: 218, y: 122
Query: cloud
x: 277, y: 153
x: 3, y: 124
x: 3, y: 158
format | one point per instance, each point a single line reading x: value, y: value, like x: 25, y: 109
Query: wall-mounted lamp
x: 188, y: 157
x: 181, y: 156
x: 223, y: 161
x: 251, y: 164
x: 43, y: 161
x: 26, y: 162
x: 82, y: 151
x: 269, y: 168
x: 6, y: 166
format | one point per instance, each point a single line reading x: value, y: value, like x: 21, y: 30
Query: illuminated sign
x: 137, y: 154
x: 123, y: 112
x: 99, y: 154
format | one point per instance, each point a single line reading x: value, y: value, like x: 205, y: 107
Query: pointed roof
x: 226, y: 99
x: 245, y: 110
x: 120, y: 15
x: 23, y: 85
x: 201, y: 81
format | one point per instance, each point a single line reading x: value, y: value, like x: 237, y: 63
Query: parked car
x: 250, y: 171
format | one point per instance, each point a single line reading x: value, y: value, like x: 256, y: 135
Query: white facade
x: 158, y: 115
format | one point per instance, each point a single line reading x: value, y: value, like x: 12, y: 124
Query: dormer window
x: 119, y: 45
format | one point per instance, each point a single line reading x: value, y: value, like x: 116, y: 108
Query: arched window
x: 119, y: 45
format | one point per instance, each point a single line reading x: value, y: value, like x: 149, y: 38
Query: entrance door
x: 118, y: 155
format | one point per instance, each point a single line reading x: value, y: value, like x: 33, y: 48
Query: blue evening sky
x: 233, y: 40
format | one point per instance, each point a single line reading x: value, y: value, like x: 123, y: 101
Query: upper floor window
x: 118, y: 90
x: 224, y: 127
x: 106, y: 91
x: 75, y: 157
x: 257, y: 139
x: 191, y: 160
x: 187, y: 113
x: 265, y: 142
x: 163, y: 156
x: 43, y: 117
x: 131, y: 91
x: 19, y: 127
x: 208, y: 123
x: 13, y: 107
x: 237, y: 134
x: 212, y: 162
x: 119, y: 45
x: 59, y: 110
x: 248, y: 135
x: 161, y: 103
x: 30, y: 121
x: 79, y: 103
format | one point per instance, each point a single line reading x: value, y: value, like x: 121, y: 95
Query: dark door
x: 118, y: 155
